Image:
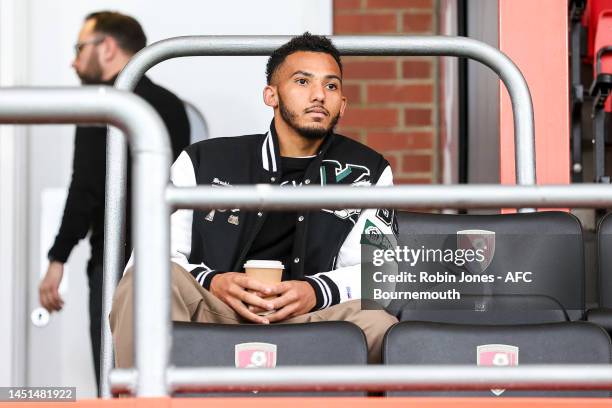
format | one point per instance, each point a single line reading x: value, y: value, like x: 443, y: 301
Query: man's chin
x: 313, y: 132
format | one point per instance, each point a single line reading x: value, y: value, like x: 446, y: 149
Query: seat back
x: 197, y: 123
x: 259, y: 346
x: 604, y: 261
x: 548, y: 244
x: 591, y: 21
x: 415, y: 343
x: 487, y: 310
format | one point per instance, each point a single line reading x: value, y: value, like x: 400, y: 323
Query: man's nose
x: 317, y: 92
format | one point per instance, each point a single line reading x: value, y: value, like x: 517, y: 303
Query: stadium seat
x: 417, y: 343
x: 549, y: 244
x: 590, y: 20
x: 259, y: 346
x: 487, y: 310
x: 602, y: 316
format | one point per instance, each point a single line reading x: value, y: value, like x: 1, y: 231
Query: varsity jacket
x: 326, y: 251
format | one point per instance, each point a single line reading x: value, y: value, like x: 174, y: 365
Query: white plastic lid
x: 262, y: 264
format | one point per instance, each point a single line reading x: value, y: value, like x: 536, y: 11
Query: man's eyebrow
x: 304, y: 73
x: 310, y: 75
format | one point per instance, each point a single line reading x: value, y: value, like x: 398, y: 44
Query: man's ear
x: 108, y: 49
x: 343, y: 105
x: 270, y: 96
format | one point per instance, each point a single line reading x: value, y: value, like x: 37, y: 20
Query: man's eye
x: 332, y: 87
x: 301, y: 81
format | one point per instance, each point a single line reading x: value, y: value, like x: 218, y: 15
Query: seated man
x: 319, y: 249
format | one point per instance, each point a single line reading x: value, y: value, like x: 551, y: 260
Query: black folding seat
x: 260, y: 346
x: 487, y: 310
x: 603, y: 314
x: 548, y: 244
x: 420, y: 343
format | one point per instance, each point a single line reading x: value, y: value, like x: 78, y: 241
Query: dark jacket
x: 84, y: 208
x: 326, y: 250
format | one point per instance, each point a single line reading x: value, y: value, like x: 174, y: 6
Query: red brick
x: 354, y: 134
x: 416, y: 69
x: 352, y: 92
x: 388, y: 141
x: 400, y: 4
x: 392, y: 162
x: 400, y: 93
x: 365, y: 23
x: 418, y: 117
x: 418, y: 23
x: 369, y: 69
x: 370, y: 117
x: 347, y: 4
x: 416, y: 163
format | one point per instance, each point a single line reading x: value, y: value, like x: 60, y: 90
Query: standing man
x: 321, y: 250
x: 106, y: 43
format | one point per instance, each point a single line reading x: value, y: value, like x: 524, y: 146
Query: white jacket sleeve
x: 344, y: 282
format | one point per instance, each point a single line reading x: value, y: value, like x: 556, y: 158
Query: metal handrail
x: 405, y: 196
x: 264, y: 45
x: 148, y: 141
x: 378, y: 378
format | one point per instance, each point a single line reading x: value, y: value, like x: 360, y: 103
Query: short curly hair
x: 304, y: 42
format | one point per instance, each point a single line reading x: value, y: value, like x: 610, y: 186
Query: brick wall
x: 391, y: 99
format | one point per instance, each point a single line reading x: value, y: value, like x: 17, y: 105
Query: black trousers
x: 95, y: 275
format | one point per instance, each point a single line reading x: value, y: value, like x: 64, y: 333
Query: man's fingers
x: 286, y: 299
x: 250, y: 298
x: 280, y: 288
x: 241, y: 309
x: 283, y: 313
x: 250, y: 283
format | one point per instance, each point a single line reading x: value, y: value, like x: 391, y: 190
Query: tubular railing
x: 148, y: 140
x: 264, y: 45
x: 151, y: 351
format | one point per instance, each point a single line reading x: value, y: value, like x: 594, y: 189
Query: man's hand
x: 296, y: 298
x: 231, y: 288
x: 48, y: 290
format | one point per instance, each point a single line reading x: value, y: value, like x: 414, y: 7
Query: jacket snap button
x: 273, y: 179
x: 307, y: 181
x: 296, y: 260
x: 259, y: 214
x: 300, y: 218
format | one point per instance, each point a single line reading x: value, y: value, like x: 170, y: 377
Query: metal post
x: 264, y: 45
x: 151, y: 150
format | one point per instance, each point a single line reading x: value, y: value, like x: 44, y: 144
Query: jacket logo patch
x: 348, y: 214
x: 372, y: 235
x: 219, y: 183
x: 233, y: 219
x: 332, y: 172
x: 385, y: 216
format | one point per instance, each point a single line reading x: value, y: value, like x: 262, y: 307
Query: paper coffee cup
x: 266, y: 272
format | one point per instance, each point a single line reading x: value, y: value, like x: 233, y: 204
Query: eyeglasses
x: 78, y: 47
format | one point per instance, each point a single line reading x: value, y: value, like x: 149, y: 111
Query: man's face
x: 309, y: 92
x: 86, y: 62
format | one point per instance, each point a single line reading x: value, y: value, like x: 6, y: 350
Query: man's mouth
x: 318, y: 110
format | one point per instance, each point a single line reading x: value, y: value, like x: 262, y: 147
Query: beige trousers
x: 191, y: 302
